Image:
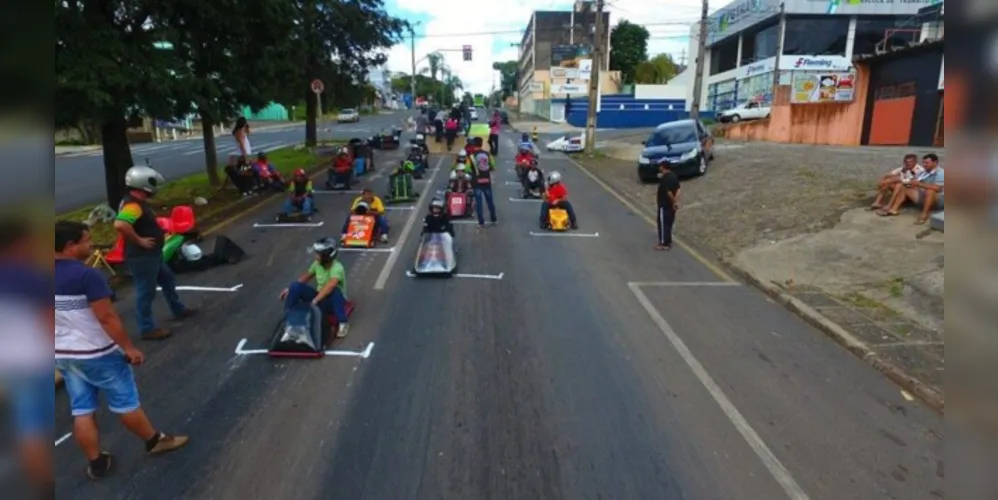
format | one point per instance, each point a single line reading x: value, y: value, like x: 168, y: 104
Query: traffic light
x: 466, y: 51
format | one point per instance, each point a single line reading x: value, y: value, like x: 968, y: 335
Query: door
x: 893, y: 110
x: 558, y: 113
x: 706, y: 140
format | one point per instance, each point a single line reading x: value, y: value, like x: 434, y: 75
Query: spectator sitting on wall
x: 906, y: 173
x: 925, y: 191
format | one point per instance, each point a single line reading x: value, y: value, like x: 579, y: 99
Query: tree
x: 424, y: 85
x: 451, y: 85
x: 342, y: 40
x: 509, y: 77
x: 111, y: 68
x: 628, y: 48
x: 657, y: 70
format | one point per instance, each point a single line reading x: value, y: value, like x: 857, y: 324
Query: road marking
x: 193, y: 152
x: 366, y: 353
x: 466, y: 275
x: 206, y: 288
x: 63, y: 438
x: 521, y: 200
x: 567, y: 234
x: 686, y: 283
x: 464, y: 221
x: 511, y: 183
x: 367, y: 250
x: 400, y: 208
x: 769, y: 460
x: 720, y: 273
x: 290, y: 224
x: 386, y: 271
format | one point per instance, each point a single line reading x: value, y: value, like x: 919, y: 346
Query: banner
x: 808, y: 88
x: 569, y: 89
x: 568, y: 56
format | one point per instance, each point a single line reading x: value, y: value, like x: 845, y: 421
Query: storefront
x: 754, y: 82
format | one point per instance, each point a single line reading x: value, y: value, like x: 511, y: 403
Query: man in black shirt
x: 668, y: 204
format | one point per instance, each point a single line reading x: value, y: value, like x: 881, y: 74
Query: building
x: 819, y: 36
x: 381, y: 79
x: 553, y: 55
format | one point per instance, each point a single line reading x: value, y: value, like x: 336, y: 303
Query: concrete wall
x: 826, y: 124
x: 666, y: 91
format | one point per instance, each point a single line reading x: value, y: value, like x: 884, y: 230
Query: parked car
x: 348, y: 116
x: 686, y: 145
x: 744, y: 111
x: 568, y: 144
x: 474, y: 113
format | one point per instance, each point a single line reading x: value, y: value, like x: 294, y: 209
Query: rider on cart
x: 330, y: 294
x: 340, y: 170
x: 556, y: 197
x: 462, y: 159
x: 437, y: 220
x: 299, y: 195
x: 460, y: 181
x: 369, y: 204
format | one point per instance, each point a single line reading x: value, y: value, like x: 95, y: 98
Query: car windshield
x: 349, y: 111
x: 674, y: 134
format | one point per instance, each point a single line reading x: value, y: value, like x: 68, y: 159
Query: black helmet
x: 525, y: 137
x: 327, y: 248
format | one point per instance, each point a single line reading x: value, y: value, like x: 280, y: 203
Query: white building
x: 820, y: 35
x: 381, y: 79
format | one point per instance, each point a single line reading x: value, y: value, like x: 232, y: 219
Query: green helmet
x: 408, y: 166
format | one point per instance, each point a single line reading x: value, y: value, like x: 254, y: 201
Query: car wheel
x: 702, y: 169
x: 735, y: 118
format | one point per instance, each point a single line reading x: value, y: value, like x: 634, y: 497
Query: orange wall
x: 839, y: 124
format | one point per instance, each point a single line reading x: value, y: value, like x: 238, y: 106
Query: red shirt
x: 342, y: 164
x: 524, y: 158
x: 557, y: 192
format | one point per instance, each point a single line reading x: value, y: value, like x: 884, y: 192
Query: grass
x: 182, y: 191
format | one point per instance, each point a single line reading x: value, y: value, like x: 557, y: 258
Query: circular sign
x: 317, y: 86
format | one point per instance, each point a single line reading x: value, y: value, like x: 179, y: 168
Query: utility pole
x: 594, y: 80
x: 781, y: 30
x: 412, y: 79
x: 701, y: 53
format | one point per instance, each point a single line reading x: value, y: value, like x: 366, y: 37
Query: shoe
x: 495, y: 223
x: 156, y: 334
x: 574, y: 227
x: 384, y: 238
x: 188, y: 312
x: 342, y: 331
x: 167, y: 444
x: 96, y: 471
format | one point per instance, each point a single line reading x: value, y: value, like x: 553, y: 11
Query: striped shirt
x: 78, y: 333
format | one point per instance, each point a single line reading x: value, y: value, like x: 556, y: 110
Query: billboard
x: 811, y: 88
x: 569, y: 56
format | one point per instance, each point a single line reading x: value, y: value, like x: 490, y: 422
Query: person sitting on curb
x: 906, y: 173
x: 270, y: 178
x: 925, y: 191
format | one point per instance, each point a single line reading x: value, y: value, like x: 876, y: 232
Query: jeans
x: 244, y: 183
x: 563, y: 204
x: 380, y: 225
x: 666, y: 218
x: 486, y: 192
x: 494, y: 144
x: 307, y: 206
x: 31, y: 403
x: 333, y: 305
x: 110, y: 374
x: 147, y: 272
x: 333, y: 178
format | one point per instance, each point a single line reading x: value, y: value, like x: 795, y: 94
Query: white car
x: 473, y: 113
x: 348, y: 116
x: 744, y: 111
x: 568, y: 144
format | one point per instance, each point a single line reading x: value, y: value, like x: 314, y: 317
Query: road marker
x: 687, y: 283
x: 521, y: 200
x: 367, y: 250
x: 567, y: 234
x: 63, y: 438
x: 401, y: 208
x: 366, y: 353
x: 466, y: 275
x: 291, y: 224
x: 464, y: 221
x: 768, y: 458
x: 206, y: 288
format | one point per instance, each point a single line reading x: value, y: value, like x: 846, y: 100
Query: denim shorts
x: 32, y: 403
x: 110, y: 374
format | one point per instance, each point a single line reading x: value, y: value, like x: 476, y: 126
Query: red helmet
x: 300, y: 172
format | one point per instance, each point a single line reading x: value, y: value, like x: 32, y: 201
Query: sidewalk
x: 792, y: 221
x: 543, y: 127
x: 66, y: 150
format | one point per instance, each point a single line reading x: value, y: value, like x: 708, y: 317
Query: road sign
x: 466, y: 50
x: 317, y: 86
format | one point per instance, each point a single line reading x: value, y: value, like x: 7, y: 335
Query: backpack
x: 482, y: 162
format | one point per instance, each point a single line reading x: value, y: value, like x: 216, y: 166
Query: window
x: 756, y: 88
x: 872, y: 30
x: 722, y: 96
x: 766, y: 43
x: 818, y: 36
x: 724, y: 56
x: 673, y: 134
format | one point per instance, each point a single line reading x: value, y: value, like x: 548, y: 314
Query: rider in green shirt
x: 330, y: 296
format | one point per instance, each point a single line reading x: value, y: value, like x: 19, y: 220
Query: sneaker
x: 574, y: 227
x: 342, y: 330
x: 156, y: 334
x: 100, y: 467
x: 384, y: 238
x: 167, y: 444
x: 188, y: 312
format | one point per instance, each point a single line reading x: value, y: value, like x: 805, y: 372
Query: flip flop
x: 920, y: 222
x: 884, y: 213
x: 874, y: 207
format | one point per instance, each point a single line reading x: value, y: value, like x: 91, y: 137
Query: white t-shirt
x: 909, y: 175
x: 246, y: 145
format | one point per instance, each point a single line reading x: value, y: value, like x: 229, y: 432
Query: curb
x: 928, y: 394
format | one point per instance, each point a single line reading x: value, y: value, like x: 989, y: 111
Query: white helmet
x: 554, y: 178
x: 145, y: 178
x: 436, y: 203
x: 419, y: 137
x: 364, y: 205
x: 462, y: 167
x: 453, y: 175
x: 462, y: 154
x: 191, y: 252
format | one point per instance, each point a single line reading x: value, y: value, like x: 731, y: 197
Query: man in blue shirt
x: 926, y: 191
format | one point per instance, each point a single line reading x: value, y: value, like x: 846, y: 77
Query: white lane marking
x: 367, y: 250
x: 63, y: 439
x: 511, y: 183
x: 366, y: 353
x: 466, y: 275
x: 400, y: 208
x: 336, y: 191
x: 685, y: 283
x: 291, y: 224
x: 193, y: 152
x: 521, y: 200
x: 567, y: 234
x: 464, y: 221
x: 386, y: 271
x: 769, y: 460
x: 206, y: 288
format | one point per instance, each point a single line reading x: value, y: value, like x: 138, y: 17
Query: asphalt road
x: 563, y: 379
x: 79, y: 177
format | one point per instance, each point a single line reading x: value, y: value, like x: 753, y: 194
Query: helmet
x: 343, y: 151
x: 462, y: 154
x: 300, y: 172
x: 554, y: 178
x: 327, y: 248
x: 525, y: 137
x: 362, y: 208
x: 191, y: 252
x: 436, y: 203
x: 462, y: 167
x: 453, y: 175
x: 144, y: 178
x: 408, y: 166
x: 420, y: 137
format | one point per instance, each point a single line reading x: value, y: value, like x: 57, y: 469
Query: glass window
x: 766, y: 43
x: 818, y: 36
x: 756, y: 88
x: 873, y: 31
x: 673, y: 134
x: 724, y: 56
x: 722, y: 96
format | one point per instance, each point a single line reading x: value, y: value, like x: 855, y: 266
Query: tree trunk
x: 210, y: 154
x: 117, y: 158
x: 310, y: 113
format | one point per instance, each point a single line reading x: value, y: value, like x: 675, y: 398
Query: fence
x: 624, y: 111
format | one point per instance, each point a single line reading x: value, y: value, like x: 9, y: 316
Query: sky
x: 492, y: 26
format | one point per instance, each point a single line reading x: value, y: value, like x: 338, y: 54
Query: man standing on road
x: 495, y: 123
x: 136, y: 222
x: 668, y: 205
x: 421, y: 122
x: 94, y: 354
x: 483, y: 165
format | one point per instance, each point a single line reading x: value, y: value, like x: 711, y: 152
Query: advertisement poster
x: 569, y: 56
x: 810, y: 88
